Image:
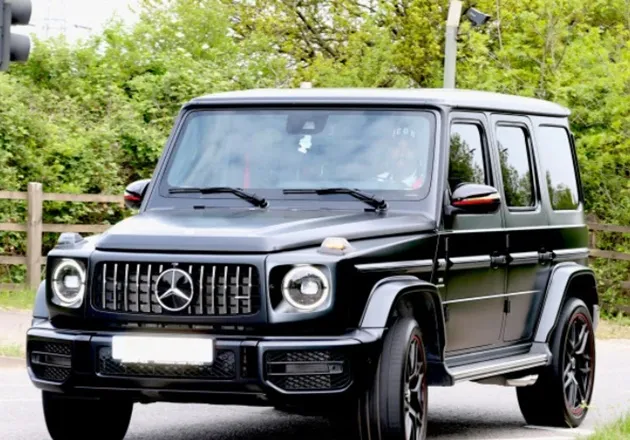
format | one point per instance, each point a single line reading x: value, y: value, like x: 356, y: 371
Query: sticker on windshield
x: 305, y: 144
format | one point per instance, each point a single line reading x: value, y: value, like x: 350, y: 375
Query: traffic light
x: 14, y: 47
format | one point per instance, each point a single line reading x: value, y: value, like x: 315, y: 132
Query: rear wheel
x: 563, y: 392
x: 396, y: 406
x: 70, y: 418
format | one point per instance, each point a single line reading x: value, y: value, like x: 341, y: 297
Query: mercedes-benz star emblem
x: 174, y: 290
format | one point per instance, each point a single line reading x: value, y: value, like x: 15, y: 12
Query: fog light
x: 51, y: 360
x: 306, y: 369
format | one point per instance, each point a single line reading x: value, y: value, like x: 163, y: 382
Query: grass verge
x: 12, y: 350
x: 17, y: 300
x: 614, y: 328
x: 617, y: 430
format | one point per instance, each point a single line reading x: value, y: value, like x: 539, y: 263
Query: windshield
x: 276, y: 149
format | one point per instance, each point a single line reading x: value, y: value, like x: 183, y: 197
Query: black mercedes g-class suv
x: 331, y: 251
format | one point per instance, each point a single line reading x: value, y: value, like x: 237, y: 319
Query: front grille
x: 218, y: 290
x: 303, y: 356
x: 310, y: 383
x: 308, y: 370
x: 52, y: 374
x: 50, y: 361
x: 55, y: 348
x: 238, y: 329
x: 223, y: 368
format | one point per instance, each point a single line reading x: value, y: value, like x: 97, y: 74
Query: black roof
x: 455, y: 98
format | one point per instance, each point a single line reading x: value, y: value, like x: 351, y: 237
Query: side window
x: 516, y: 171
x: 466, y: 164
x: 557, y: 162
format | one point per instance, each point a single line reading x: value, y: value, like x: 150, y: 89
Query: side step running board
x: 480, y: 370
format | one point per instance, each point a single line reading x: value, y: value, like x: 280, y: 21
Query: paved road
x: 467, y: 411
x: 13, y: 327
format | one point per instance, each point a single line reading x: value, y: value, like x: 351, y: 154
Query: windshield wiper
x: 251, y: 198
x: 375, y: 202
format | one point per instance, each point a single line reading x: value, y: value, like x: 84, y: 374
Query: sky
x: 72, y: 17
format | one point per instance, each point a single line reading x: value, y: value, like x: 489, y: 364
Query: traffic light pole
x: 14, y: 47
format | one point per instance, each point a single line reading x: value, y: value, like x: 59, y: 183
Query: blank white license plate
x: 131, y: 349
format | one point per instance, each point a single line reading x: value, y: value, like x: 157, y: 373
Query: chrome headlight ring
x: 306, y: 288
x: 68, y: 283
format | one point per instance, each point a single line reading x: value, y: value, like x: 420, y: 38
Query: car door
x: 526, y: 220
x: 474, y: 286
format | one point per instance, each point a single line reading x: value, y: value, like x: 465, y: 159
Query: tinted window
x: 515, y: 166
x: 273, y: 149
x: 466, y: 163
x: 557, y: 163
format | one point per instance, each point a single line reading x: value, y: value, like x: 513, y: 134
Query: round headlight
x: 68, y: 283
x: 305, y: 288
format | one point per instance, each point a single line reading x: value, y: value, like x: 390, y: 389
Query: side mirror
x: 134, y: 193
x: 475, y: 198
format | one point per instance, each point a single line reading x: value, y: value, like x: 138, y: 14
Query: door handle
x: 499, y: 260
x: 546, y: 256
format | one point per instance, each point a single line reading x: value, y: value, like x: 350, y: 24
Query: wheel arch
x: 567, y: 280
x: 404, y: 295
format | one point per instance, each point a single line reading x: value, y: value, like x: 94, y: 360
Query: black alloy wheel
x: 395, y: 406
x: 579, y: 368
x: 415, y: 391
x: 562, y: 394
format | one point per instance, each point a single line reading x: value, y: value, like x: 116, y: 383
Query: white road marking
x: 562, y: 430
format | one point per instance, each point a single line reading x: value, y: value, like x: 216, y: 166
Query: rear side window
x: 516, y: 170
x: 466, y: 164
x: 557, y: 162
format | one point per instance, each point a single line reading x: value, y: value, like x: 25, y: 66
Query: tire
x: 548, y: 402
x: 73, y: 419
x: 395, y: 406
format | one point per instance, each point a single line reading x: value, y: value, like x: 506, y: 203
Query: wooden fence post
x: 592, y: 242
x: 34, y: 235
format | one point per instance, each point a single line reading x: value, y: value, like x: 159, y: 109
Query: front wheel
x: 395, y: 407
x: 69, y: 418
x: 563, y: 392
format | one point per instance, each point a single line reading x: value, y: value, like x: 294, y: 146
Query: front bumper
x: 248, y: 370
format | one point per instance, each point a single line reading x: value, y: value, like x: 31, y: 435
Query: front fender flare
x: 563, y: 278
x: 40, y: 307
x: 386, y: 294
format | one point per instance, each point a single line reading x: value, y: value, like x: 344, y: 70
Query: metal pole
x: 450, y: 50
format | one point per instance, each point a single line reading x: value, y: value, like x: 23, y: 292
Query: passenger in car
x: 404, y: 165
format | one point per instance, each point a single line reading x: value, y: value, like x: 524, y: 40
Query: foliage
x: 91, y: 117
x: 614, y: 328
x: 21, y: 300
x: 616, y: 430
x: 12, y: 351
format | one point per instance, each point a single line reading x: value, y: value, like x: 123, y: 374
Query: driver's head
x: 403, y: 151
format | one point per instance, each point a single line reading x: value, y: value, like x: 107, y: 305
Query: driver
x: 403, y: 167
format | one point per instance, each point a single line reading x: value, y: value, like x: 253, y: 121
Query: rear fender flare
x: 565, y: 280
x: 395, y: 294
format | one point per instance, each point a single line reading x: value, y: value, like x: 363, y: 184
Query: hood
x: 224, y: 230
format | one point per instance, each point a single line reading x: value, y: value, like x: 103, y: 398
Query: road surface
x: 13, y: 326
x: 466, y: 411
